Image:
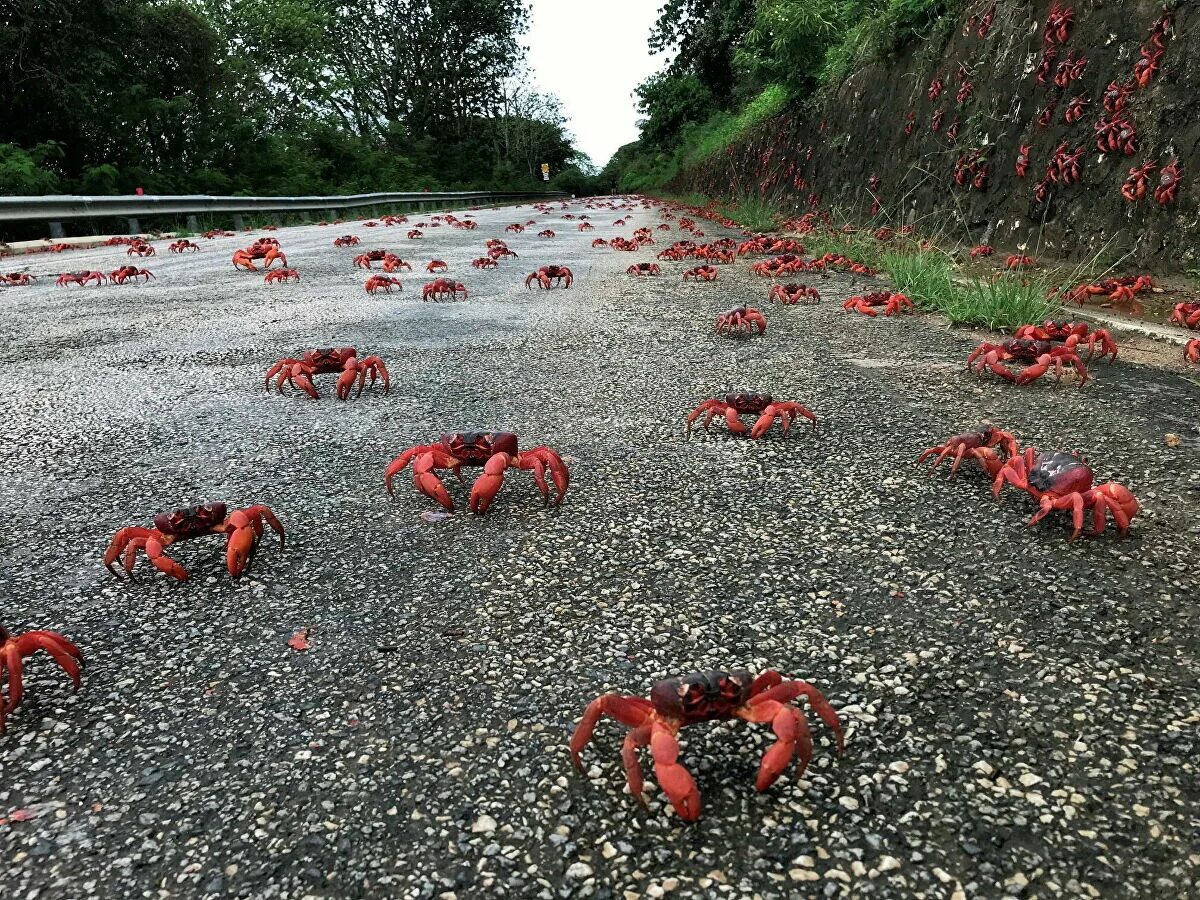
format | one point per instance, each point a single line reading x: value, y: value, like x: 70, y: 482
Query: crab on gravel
x: 299, y: 372
x: 741, y: 321
x: 762, y: 405
x: 1062, y: 481
x: 675, y: 703
x: 988, y: 445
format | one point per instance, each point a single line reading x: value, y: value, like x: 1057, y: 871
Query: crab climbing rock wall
x: 1019, y: 125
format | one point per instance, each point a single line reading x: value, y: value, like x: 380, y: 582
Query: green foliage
x: 270, y: 97
x: 669, y: 104
x: 25, y: 172
x: 1000, y: 302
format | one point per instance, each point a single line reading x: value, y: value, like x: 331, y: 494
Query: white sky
x: 592, y: 54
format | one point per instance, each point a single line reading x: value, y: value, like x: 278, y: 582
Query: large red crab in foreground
x: 299, y: 372
x: 988, y: 445
x: 14, y: 648
x: 675, y: 703
x: 496, y: 451
x: 1041, y: 355
x: 266, y: 249
x: 1060, y: 481
x: 762, y: 405
x: 243, y: 528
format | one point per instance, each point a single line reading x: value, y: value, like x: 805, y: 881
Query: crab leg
x: 299, y: 376
x: 709, y: 406
x: 676, y: 781
x: 487, y: 485
x: 632, y: 711
x: 639, y: 737
x: 547, y: 458
x: 120, y: 541
x: 791, y: 733
x: 734, y: 422
x: 154, y: 553
x: 790, y: 690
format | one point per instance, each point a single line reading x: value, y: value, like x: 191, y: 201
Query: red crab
x: 1058, y: 24
x: 80, y: 278
x: 982, y: 250
x: 646, y: 268
x: 550, y: 276
x: 267, y: 252
x: 299, y: 372
x: 761, y: 405
x: 546, y: 234
x: 14, y: 648
x: 675, y: 703
x: 1019, y: 261
x: 1041, y: 355
x: 965, y: 92
x: 1116, y: 134
x: 1116, y: 95
x: 792, y: 294
x: 282, y: 275
x: 935, y: 89
x: 701, y: 273
x: 988, y: 445
x: 515, y: 228
x: 346, y: 240
x: 1060, y: 481
x: 484, y: 262
x: 892, y: 303
x: 1168, y: 184
x: 586, y: 226
x: 599, y: 242
x: 1119, y: 290
x: 1047, y: 114
x: 1075, y: 110
x: 499, y: 253
x: 243, y: 528
x: 377, y: 283
x: 496, y: 451
x: 1070, y: 69
x: 1071, y: 334
x: 183, y: 246
x: 1186, y: 314
x: 935, y: 121
x: 1146, y: 67
x: 436, y: 265
x: 1064, y: 167
x: 415, y: 234
x: 443, y: 289
x: 17, y: 279
x: 140, y: 248
x: 1023, y: 160
x: 364, y: 260
x: 127, y: 273
x: 1138, y: 182
x: 741, y: 320
x: 1191, y: 351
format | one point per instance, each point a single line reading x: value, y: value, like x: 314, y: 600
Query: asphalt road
x: 1022, y: 713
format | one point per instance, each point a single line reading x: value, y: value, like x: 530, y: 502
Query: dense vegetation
x: 272, y: 97
x: 739, y: 62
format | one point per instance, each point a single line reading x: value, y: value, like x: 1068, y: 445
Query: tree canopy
x: 271, y: 97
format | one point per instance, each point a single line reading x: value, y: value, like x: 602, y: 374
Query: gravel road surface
x: 1022, y: 713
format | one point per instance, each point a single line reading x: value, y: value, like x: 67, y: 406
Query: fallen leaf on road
x: 1173, y: 440
x: 299, y: 640
x: 19, y: 815
x: 433, y: 517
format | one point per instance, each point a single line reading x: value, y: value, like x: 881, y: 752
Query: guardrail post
x: 56, y: 231
x: 330, y: 215
x: 131, y: 226
x: 238, y: 222
x: 193, y: 224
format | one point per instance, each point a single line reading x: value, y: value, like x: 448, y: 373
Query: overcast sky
x: 592, y: 53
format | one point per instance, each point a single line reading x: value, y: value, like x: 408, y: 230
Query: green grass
x: 1001, y: 302
x: 754, y: 214
x: 860, y: 246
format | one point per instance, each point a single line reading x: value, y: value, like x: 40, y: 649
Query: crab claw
x: 487, y: 485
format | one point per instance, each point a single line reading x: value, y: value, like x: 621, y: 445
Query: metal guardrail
x: 65, y: 207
